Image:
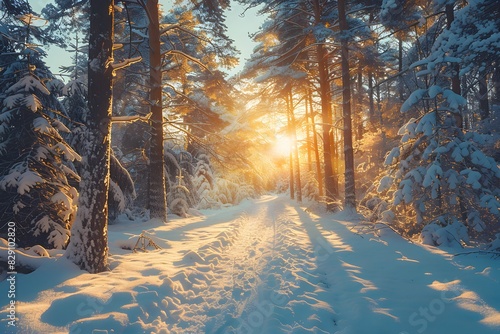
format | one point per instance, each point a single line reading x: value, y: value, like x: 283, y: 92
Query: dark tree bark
x: 315, y: 143
x: 400, y: 67
x: 350, y: 187
x: 331, y: 186
x: 484, y: 105
x: 88, y: 247
x: 495, y: 82
x: 308, y: 135
x: 370, y: 97
x: 292, y: 178
x: 331, y: 183
x: 293, y: 128
x: 157, y: 190
x: 455, y: 79
x: 359, y: 104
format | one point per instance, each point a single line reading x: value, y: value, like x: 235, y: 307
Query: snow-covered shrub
x: 36, y: 168
x: 121, y: 188
x: 204, y: 182
x: 282, y: 181
x: 442, y: 233
x: 192, y: 183
x: 380, y: 136
x: 310, y: 188
x: 376, y: 209
x: 233, y: 191
x: 181, y: 192
x: 439, y: 174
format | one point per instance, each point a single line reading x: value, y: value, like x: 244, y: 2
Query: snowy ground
x: 265, y: 266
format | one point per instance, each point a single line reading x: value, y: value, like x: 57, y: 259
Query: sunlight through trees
x: 388, y: 109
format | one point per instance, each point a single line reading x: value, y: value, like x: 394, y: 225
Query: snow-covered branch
x: 130, y: 119
x: 185, y: 55
x: 169, y: 27
x: 125, y: 63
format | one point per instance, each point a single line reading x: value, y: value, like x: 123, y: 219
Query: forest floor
x: 267, y: 265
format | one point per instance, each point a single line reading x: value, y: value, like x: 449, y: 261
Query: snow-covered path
x: 265, y: 266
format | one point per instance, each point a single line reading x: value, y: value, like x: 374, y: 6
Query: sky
x: 239, y: 26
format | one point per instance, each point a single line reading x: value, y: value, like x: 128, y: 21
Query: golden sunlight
x: 282, y: 146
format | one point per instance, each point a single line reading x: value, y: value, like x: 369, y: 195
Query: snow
x: 32, y: 102
x: 125, y: 63
x: 60, y: 126
x: 68, y: 203
x: 472, y: 178
x: 10, y: 102
x: 454, y: 100
x: 27, y: 84
x: 432, y: 175
x: 414, y: 98
x: 394, y: 153
x: 385, y: 183
x: 434, y: 90
x: 26, y: 180
x: 427, y: 124
x: 65, y: 150
x: 267, y: 265
x: 42, y: 125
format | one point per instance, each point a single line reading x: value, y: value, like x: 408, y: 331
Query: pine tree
x: 440, y: 174
x: 471, y: 37
x: 36, y: 162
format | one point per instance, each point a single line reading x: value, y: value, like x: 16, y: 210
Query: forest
x: 387, y: 108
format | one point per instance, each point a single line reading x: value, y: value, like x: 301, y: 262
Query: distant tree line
x: 356, y: 78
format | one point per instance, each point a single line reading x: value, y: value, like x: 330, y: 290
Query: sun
x: 282, y: 146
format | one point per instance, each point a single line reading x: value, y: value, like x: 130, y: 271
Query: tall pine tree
x: 36, y: 162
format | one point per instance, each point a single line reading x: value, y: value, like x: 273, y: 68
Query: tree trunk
x: 400, y: 67
x: 359, y: 104
x: 292, y: 178
x: 308, y: 135
x: 381, y: 156
x: 455, y: 79
x: 455, y: 87
x: 350, y: 188
x: 316, y: 148
x: 295, y: 145
x: 331, y: 186
x: 157, y: 190
x: 484, y: 106
x: 371, y: 99
x: 88, y: 247
x: 495, y: 82
x: 370, y: 84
